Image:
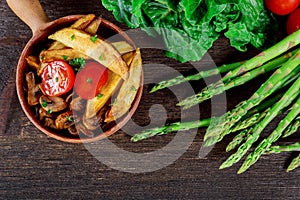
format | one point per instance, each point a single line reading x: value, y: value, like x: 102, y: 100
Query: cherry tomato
x: 57, y: 78
x: 282, y: 7
x: 293, y: 22
x: 90, y: 80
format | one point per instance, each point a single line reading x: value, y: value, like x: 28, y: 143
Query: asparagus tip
x: 223, y: 166
x: 154, y: 89
x: 228, y: 148
x: 242, y: 170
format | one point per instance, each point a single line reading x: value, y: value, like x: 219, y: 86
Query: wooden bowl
x: 33, y: 15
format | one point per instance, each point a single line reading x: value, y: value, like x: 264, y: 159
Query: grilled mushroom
x: 77, y: 104
x: 102, y: 114
x: 52, y: 104
x: 33, y: 90
x: 82, y: 129
x: 49, y: 123
x: 65, y: 120
x: 44, y: 114
x: 94, y: 122
x: 73, y: 130
x: 69, y: 98
x: 90, y: 123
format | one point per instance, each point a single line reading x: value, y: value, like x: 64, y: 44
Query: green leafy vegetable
x: 189, y: 28
x: 77, y: 62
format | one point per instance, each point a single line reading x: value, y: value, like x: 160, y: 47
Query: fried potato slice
x: 128, y: 90
x: 83, y: 22
x: 128, y: 57
x: 33, y: 62
x: 96, y: 103
x: 68, y: 54
x: 123, y: 47
x: 92, y: 28
x: 97, y: 49
x: 56, y: 45
x: 60, y: 54
x: 80, y: 24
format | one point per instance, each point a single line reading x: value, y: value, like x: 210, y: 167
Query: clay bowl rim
x: 20, y: 79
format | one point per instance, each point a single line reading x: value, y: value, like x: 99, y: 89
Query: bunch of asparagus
x: 279, y: 94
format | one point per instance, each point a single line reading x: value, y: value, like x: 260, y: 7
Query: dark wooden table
x: 35, y: 166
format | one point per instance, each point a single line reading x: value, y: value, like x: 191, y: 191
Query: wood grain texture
x: 37, y: 167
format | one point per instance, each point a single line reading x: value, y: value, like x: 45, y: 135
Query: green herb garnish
x: 133, y: 89
x: 101, y: 57
x: 50, y: 111
x: 94, y: 38
x: 44, y: 103
x: 73, y: 37
x: 99, y: 96
x: 89, y: 80
x: 70, y: 119
x: 77, y: 62
x: 65, y: 57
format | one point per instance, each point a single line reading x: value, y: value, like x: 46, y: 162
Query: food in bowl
x: 79, y: 84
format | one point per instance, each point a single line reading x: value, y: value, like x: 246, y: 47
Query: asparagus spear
x: 223, y: 125
x: 283, y: 148
x: 238, y: 139
x: 274, y: 136
x: 216, y: 88
x: 251, y: 121
x: 247, y: 125
x: 286, y: 100
x: 178, y: 126
x: 292, y: 128
x: 170, y: 128
x: 210, y: 140
x: 294, y: 164
x: 199, y: 123
x: 274, y: 51
x: 201, y: 75
x: 287, y: 148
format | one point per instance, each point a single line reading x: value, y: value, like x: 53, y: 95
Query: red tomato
x: 282, y: 7
x: 57, y: 78
x: 90, y: 80
x: 293, y: 23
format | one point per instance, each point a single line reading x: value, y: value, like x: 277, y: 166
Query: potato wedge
x: 123, y: 47
x: 33, y: 62
x: 80, y: 24
x: 128, y: 57
x: 92, y: 28
x: 128, y: 90
x: 98, y: 49
x: 96, y: 103
x: 60, y: 54
x: 83, y: 22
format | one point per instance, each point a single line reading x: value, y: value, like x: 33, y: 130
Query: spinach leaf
x: 122, y: 11
x: 189, y: 28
